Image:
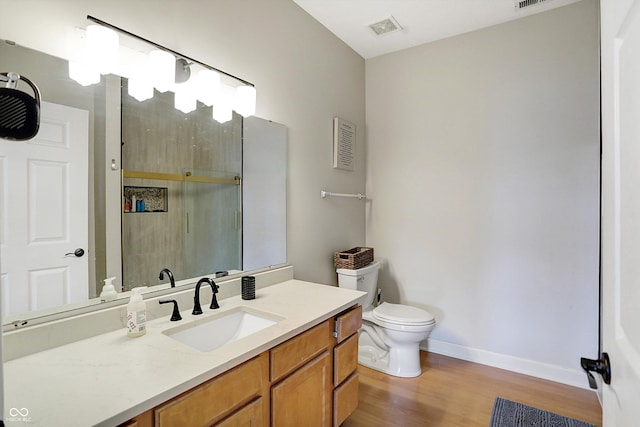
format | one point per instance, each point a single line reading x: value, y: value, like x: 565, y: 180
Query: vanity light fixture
x: 140, y: 89
x: 208, y: 86
x: 83, y: 72
x: 102, y: 48
x: 245, y: 100
x: 222, y: 108
x: 185, y: 89
x: 98, y: 56
x: 134, y: 66
x: 183, y: 70
x: 162, y: 68
x: 185, y: 96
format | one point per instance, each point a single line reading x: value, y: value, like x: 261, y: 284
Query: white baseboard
x: 572, y: 377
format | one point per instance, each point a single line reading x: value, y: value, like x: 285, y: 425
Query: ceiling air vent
x: 385, y: 26
x: 521, y: 4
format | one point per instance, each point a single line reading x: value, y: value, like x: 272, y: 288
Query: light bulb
x: 140, y: 89
x: 185, y: 97
x: 208, y: 86
x: 82, y: 72
x: 222, y: 109
x: 245, y: 101
x: 102, y: 48
x: 162, y: 66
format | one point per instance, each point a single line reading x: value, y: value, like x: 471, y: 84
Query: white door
x: 43, y: 213
x: 620, y: 32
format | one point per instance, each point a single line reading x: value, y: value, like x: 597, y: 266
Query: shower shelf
x: 155, y: 198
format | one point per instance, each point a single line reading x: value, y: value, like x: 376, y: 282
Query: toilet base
x: 366, y: 358
x: 399, y: 361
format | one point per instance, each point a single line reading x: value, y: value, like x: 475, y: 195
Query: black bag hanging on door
x: 19, y: 111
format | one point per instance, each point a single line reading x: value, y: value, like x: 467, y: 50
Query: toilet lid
x: 402, y: 314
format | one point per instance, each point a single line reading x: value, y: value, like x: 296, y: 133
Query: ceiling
x: 422, y: 21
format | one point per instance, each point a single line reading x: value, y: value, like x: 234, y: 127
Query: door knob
x: 77, y: 253
x: 602, y: 366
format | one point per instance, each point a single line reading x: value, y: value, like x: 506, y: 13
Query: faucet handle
x: 214, y: 301
x: 176, y: 312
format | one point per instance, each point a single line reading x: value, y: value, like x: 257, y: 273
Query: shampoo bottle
x: 108, y: 291
x: 136, y: 314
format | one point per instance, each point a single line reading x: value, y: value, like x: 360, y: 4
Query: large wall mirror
x: 139, y: 187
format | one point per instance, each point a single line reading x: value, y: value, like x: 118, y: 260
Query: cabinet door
x: 249, y: 416
x: 304, y: 398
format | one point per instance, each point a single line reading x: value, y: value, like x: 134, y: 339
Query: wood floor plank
x: 452, y: 392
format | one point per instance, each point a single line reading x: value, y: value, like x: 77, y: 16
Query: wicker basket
x: 353, y: 259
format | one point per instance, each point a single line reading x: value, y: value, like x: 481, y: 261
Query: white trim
x: 572, y: 377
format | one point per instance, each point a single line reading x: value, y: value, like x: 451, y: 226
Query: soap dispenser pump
x: 108, y: 291
x: 136, y: 314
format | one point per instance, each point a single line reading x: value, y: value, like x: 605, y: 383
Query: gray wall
x: 483, y: 168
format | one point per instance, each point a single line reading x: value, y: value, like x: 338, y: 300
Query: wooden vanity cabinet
x: 309, y: 380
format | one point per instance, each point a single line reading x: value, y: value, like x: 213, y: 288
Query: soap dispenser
x: 108, y: 291
x: 136, y: 314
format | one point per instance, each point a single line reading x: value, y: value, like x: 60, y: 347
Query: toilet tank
x: 363, y: 279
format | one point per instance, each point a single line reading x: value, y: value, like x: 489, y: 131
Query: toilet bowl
x: 390, y: 336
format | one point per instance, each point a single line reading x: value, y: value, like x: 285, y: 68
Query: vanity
x: 298, y: 370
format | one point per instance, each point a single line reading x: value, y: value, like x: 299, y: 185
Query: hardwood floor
x: 452, y: 392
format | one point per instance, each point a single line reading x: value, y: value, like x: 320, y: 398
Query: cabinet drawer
x: 294, y: 353
x: 348, y: 323
x: 217, y: 398
x: 249, y: 416
x: 345, y: 359
x: 345, y: 399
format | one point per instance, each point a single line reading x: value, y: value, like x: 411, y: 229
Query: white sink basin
x: 212, y: 332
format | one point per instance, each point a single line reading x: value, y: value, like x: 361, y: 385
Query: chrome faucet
x: 170, y: 274
x: 196, y: 298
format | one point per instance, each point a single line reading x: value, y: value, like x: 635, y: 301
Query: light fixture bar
x: 176, y: 54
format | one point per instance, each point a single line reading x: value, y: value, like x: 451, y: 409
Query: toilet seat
x: 399, y: 314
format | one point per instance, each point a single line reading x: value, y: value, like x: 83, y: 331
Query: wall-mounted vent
x: 521, y: 4
x: 386, y: 26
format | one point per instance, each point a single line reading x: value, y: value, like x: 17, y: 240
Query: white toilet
x: 390, y: 336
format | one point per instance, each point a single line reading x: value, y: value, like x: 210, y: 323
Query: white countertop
x: 110, y: 378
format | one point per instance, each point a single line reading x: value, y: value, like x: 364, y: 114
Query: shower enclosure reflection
x: 185, y: 169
